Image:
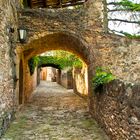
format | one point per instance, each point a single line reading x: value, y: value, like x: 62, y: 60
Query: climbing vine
x: 62, y: 62
x: 102, y: 76
x: 33, y: 63
x: 39, y: 61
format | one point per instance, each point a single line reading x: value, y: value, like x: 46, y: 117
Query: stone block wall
x: 117, y: 109
x: 43, y: 74
x: 120, y: 55
x: 83, y: 32
x: 53, y: 78
x: 86, y: 24
x: 30, y: 83
x: 58, y: 76
x: 8, y: 19
x: 66, y: 79
x: 80, y: 83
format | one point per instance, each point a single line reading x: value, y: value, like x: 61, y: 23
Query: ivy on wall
x: 33, y: 63
x: 39, y: 61
x: 102, y: 76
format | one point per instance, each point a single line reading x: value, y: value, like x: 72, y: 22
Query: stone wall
x: 43, y: 74
x: 83, y: 31
x: 53, y: 77
x: 80, y: 83
x: 8, y: 19
x: 30, y: 83
x: 101, y: 48
x: 66, y: 79
x: 117, y: 109
x: 120, y: 55
x: 58, y: 76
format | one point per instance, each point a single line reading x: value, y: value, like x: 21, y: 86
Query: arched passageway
x: 53, y: 107
x: 54, y: 41
x: 55, y: 113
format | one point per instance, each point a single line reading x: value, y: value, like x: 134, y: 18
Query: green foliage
x: 61, y: 62
x: 24, y: 3
x: 131, y: 36
x: 129, y: 5
x: 77, y: 63
x: 33, y: 63
x: 102, y: 76
x: 47, y: 60
x: 70, y: 58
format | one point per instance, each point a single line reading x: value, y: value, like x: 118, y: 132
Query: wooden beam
x: 54, y: 3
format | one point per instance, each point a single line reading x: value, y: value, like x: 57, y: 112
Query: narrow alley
x: 54, y: 113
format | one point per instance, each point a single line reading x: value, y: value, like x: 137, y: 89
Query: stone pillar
x: 80, y: 81
x: 53, y: 79
x: 8, y: 79
x: 91, y: 94
x: 38, y: 75
x: 43, y: 74
x: 58, y: 76
x: 94, y: 14
x: 66, y: 79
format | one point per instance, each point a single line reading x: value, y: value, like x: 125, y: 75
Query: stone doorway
x: 21, y: 82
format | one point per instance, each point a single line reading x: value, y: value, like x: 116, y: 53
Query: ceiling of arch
x: 57, y: 41
x: 51, y: 65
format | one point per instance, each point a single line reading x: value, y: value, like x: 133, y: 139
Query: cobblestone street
x: 54, y: 113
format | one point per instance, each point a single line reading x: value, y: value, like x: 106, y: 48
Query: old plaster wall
x: 8, y: 18
x: 30, y: 82
x: 58, y: 76
x: 80, y: 83
x: 43, y: 74
x: 66, y: 79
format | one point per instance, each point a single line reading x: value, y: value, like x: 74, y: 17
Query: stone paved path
x: 54, y: 113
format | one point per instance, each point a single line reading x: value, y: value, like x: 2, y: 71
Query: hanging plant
x: 61, y: 62
x: 33, y: 63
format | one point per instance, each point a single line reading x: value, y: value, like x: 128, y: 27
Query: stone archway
x: 58, y: 41
x: 55, y: 41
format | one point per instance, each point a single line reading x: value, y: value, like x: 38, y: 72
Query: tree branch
x: 113, y: 3
x: 121, y: 9
x: 115, y: 31
x: 127, y: 21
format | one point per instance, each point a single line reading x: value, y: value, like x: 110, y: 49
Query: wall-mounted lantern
x: 22, y: 35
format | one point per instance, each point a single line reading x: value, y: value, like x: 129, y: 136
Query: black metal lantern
x: 22, y: 35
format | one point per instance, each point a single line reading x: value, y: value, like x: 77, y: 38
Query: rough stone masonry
x: 8, y: 20
x: 101, y: 49
x: 84, y: 28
